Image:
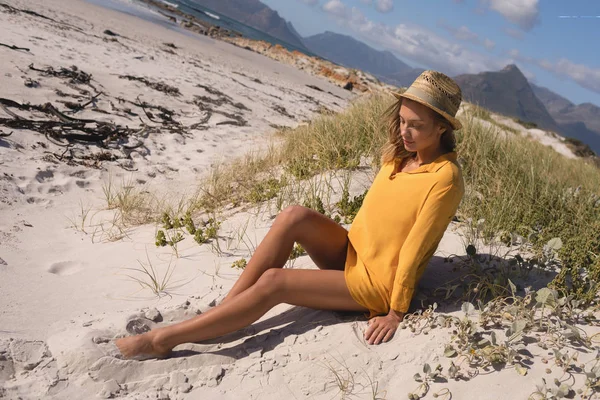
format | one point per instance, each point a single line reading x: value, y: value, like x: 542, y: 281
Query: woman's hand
x: 383, y: 328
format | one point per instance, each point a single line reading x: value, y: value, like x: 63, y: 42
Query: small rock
x: 153, y: 314
x: 99, y: 340
x: 110, y: 33
x: 86, y: 324
x: 138, y: 326
x: 2, y: 262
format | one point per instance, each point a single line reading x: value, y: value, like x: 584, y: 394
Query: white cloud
x: 336, y: 8
x: 523, y: 13
x: 384, y: 6
x: 584, y: 76
x: 413, y: 42
x: 416, y: 43
x: 465, y: 34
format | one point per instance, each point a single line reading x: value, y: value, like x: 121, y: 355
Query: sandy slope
x: 63, y: 290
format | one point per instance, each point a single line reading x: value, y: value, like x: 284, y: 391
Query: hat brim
x: 456, y: 124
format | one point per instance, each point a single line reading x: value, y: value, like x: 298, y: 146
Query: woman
x: 373, y: 267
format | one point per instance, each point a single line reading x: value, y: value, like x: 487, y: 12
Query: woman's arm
x: 433, y: 219
x: 422, y: 241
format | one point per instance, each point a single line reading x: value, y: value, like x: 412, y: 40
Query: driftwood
x: 13, y: 47
x: 161, y: 87
x: 76, y: 107
x: 75, y: 75
x: 236, y: 119
x: 66, y: 131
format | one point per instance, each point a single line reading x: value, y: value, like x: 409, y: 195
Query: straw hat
x: 438, y: 92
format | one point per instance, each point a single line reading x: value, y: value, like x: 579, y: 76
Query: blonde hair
x: 394, y: 148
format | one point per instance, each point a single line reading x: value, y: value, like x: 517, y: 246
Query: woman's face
x: 418, y: 128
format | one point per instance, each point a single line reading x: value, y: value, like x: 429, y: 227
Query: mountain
x: 404, y: 78
x: 257, y: 15
x: 506, y: 92
x: 351, y: 53
x: 579, y: 121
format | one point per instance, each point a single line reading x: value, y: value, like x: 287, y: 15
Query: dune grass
x: 513, y: 184
x: 522, y: 186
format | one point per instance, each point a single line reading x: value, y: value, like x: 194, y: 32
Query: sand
x: 64, y: 289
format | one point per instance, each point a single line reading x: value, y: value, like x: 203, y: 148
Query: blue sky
x: 554, y: 42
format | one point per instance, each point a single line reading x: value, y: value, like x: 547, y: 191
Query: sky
x: 555, y: 43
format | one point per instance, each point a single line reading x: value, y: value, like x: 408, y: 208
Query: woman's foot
x: 138, y: 346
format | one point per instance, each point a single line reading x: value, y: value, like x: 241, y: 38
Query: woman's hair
x: 394, y: 147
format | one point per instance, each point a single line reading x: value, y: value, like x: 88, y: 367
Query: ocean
x: 191, y: 7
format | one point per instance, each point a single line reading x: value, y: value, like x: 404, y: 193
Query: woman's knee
x: 271, y: 283
x: 293, y: 215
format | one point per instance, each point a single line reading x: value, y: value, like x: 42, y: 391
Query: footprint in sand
x: 63, y: 268
x: 44, y: 176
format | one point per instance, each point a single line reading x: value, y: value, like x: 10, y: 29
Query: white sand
x: 63, y: 290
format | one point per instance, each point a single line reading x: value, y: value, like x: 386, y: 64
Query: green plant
x: 150, y: 277
x: 265, y: 190
x: 161, y: 239
x: 316, y: 204
x: 348, y: 208
x: 239, y: 264
x: 211, y: 228
x: 176, y: 238
x: 189, y: 224
x: 426, y: 378
x: 199, y: 236
x: 83, y: 216
x: 297, y: 251
x: 167, y: 223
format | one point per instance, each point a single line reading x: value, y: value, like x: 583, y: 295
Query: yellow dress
x: 397, y: 230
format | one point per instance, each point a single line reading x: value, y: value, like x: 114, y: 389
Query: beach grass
x: 513, y: 184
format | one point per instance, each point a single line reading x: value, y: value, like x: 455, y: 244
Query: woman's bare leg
x: 324, y: 240
x: 319, y: 289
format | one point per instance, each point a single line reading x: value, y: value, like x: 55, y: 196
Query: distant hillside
x: 506, y: 92
x: 351, y: 53
x: 579, y: 121
x: 257, y: 15
x: 405, y: 78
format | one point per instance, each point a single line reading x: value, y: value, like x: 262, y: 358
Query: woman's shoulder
x: 450, y: 173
